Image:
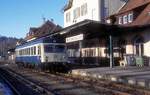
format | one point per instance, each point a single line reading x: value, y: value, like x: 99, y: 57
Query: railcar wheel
x: 45, y: 66
x: 52, y: 67
x: 40, y: 67
x: 19, y: 64
x: 24, y: 65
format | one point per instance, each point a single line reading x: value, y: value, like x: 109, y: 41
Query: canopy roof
x: 97, y: 29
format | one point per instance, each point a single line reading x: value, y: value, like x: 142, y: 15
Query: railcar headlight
x: 64, y: 57
x: 46, y: 58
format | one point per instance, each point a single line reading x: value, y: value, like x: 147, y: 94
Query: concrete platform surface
x: 138, y: 76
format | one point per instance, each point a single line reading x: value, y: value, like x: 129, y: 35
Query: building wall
x: 97, y: 10
x: 146, y: 36
x: 130, y: 48
x: 92, y: 11
x: 129, y: 45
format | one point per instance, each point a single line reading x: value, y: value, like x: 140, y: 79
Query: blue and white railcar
x: 41, y: 52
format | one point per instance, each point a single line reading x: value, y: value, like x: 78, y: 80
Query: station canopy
x: 92, y: 29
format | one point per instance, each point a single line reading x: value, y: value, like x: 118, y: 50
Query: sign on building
x: 74, y: 38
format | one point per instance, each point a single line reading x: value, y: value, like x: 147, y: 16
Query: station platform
x: 137, y: 76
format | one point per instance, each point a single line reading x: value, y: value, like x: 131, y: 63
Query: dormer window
x: 125, y: 19
x: 130, y: 17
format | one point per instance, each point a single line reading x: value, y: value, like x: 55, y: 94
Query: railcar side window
x: 34, y: 50
x: 28, y: 51
x: 48, y: 48
x: 23, y: 52
x: 19, y: 52
x: 31, y: 50
x: 39, y: 50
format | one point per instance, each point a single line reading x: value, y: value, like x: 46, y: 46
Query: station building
x: 86, y: 33
x: 88, y: 40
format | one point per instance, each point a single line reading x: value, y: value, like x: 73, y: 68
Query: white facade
x: 96, y: 10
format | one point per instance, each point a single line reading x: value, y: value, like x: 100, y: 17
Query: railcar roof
x: 33, y: 42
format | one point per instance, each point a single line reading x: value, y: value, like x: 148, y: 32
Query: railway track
x: 61, y: 84
x: 116, y: 87
x: 20, y: 85
x: 14, y: 90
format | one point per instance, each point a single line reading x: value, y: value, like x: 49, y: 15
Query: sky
x: 17, y: 16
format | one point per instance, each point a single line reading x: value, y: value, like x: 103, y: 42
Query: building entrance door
x: 138, y: 46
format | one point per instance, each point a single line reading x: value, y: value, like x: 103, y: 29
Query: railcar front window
x: 48, y: 48
x: 59, y: 48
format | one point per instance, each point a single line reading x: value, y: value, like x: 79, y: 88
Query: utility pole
x: 111, y: 51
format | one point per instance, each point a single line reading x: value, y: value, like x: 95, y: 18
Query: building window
x: 120, y: 20
x: 89, y: 52
x: 84, y: 9
x: 76, y: 13
x: 125, y: 19
x: 130, y: 17
x: 68, y: 17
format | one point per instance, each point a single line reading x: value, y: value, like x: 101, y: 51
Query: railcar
x: 46, y: 53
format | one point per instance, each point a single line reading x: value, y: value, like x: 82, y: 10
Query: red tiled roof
x: 143, y: 18
x: 45, y: 28
x: 33, y: 29
x: 141, y: 9
x: 131, y: 4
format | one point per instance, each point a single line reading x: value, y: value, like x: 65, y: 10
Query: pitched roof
x: 47, y: 28
x: 143, y: 18
x: 33, y: 29
x: 68, y: 5
x: 131, y: 4
x: 141, y: 8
